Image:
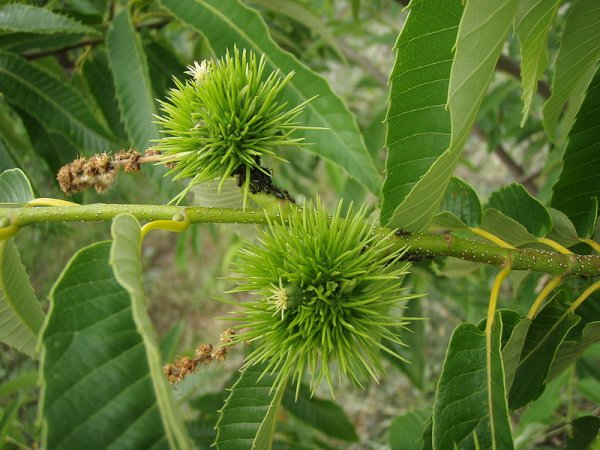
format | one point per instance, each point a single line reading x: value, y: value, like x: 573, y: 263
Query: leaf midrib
x: 51, y: 101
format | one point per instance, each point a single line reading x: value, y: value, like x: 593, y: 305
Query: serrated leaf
x: 570, y: 350
x: 563, y: 230
x: 28, y: 43
x: 532, y: 25
x: 32, y: 19
x: 418, y: 124
x: 470, y: 397
x: 576, y: 63
x: 506, y: 228
x: 481, y: 35
x: 132, y: 83
x: 97, y: 392
x: 248, y: 418
x: 59, y: 107
x: 54, y: 148
x: 125, y: 259
x: 323, y: 415
x: 515, y: 202
x: 578, y: 187
x: 230, y: 23
x: 98, y: 79
x: 545, y: 335
x: 406, y: 430
x: 460, y: 202
x: 163, y: 65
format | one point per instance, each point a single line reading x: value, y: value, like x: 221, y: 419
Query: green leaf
x: 576, y: 191
x: 125, y: 255
x: 98, y: 78
x: 514, y: 201
x: 97, y: 391
x: 406, y: 430
x: 576, y: 63
x: 59, y: 107
x: 132, y: 83
x: 585, y: 433
x: 163, y: 65
x: 571, y: 350
x: 28, y: 43
x: 228, y: 23
x: 7, y: 417
x: 563, y: 230
x: 460, y: 207
x: 21, y: 315
x: 15, y: 187
x: 511, y: 353
x: 170, y: 341
x: 418, y: 124
x: 532, y: 25
x: 413, y: 345
x: 16, y: 149
x: 31, y: 19
x: 54, y: 148
x: 248, y: 418
x: 323, y: 415
x: 303, y: 15
x: 470, y: 398
x: 544, y: 336
x: 23, y: 381
x: 505, y: 228
x: 483, y: 29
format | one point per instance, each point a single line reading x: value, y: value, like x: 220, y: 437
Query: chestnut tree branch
x: 420, y: 244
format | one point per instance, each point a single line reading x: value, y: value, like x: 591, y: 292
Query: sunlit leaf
x: 418, y: 124
x: 576, y: 63
x: 532, y: 25
x: 483, y: 29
